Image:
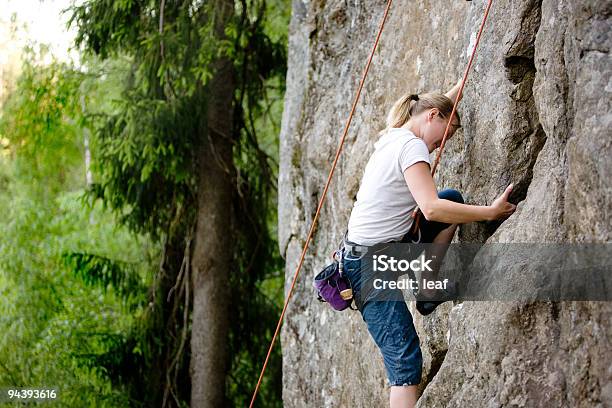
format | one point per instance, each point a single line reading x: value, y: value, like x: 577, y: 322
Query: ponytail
x: 412, y: 104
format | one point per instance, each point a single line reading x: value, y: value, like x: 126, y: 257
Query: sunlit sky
x: 36, y: 21
x: 45, y: 24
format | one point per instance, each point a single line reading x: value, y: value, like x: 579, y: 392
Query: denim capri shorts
x: 390, y: 322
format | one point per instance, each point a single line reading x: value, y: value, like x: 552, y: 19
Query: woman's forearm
x: 455, y: 213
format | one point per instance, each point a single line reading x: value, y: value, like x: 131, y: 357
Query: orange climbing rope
x: 416, y: 214
x: 333, y: 168
x: 329, y: 177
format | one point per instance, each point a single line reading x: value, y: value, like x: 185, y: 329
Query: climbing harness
x: 334, y: 164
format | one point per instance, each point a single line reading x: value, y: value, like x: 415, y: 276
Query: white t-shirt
x: 382, y: 211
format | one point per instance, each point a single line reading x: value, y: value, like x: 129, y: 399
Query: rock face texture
x: 536, y: 111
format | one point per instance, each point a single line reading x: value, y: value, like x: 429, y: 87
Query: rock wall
x: 536, y: 111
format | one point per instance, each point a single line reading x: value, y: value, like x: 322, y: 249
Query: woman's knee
x: 451, y: 194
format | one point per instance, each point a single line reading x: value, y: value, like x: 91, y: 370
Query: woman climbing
x: 397, y: 178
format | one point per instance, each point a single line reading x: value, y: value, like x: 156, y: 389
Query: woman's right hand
x: 501, y: 208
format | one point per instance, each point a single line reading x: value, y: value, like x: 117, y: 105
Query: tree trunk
x: 212, y: 250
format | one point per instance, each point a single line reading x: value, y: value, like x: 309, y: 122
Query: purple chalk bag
x: 332, y: 287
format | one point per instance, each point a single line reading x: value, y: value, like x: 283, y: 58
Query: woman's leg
x: 403, y: 396
x: 431, y: 229
x: 437, y: 254
x: 392, y: 329
x: 446, y: 235
x: 438, y: 233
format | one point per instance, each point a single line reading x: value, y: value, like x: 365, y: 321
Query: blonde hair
x: 412, y: 104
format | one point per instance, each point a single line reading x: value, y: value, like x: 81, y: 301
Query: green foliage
x: 86, y: 303
x: 147, y: 146
x: 60, y: 331
x: 94, y: 270
x: 39, y: 121
x: 171, y: 60
x: 145, y: 160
